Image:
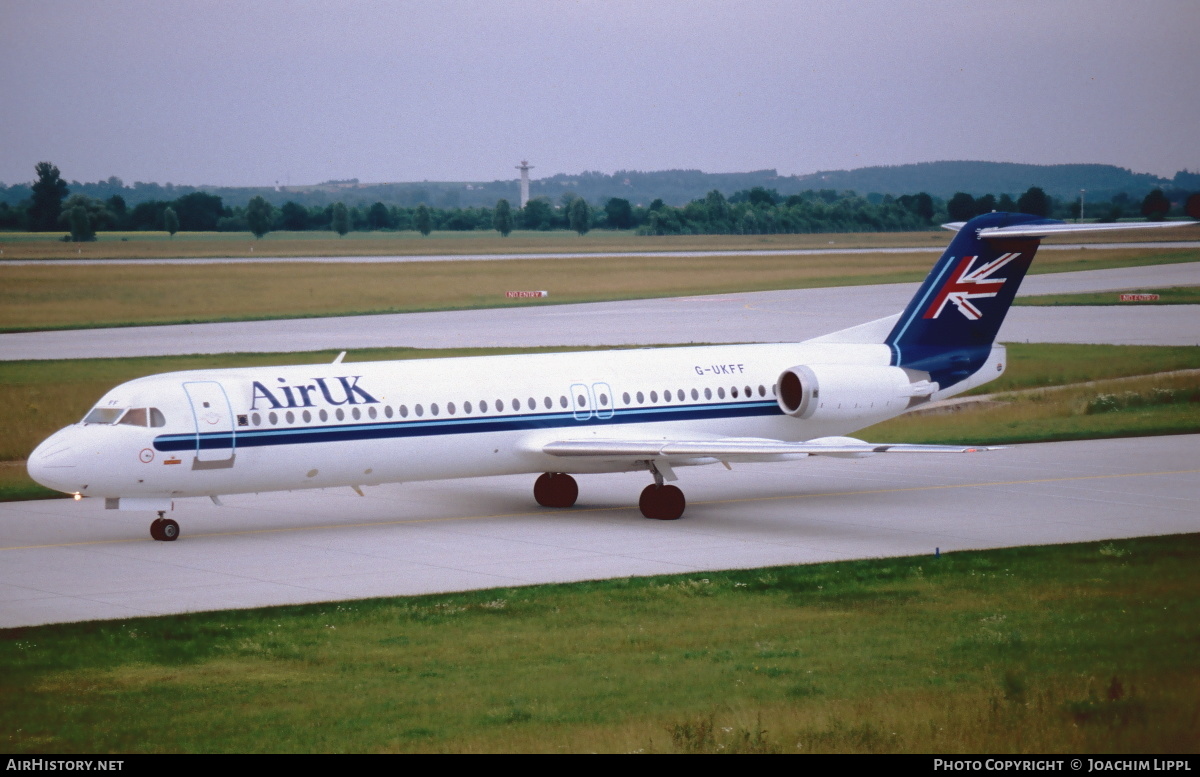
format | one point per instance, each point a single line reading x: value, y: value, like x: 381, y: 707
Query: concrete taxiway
x: 67, y: 561
x: 769, y: 316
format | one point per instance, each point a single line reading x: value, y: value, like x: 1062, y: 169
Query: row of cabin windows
x: 372, y: 413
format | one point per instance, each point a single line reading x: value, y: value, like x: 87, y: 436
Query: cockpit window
x: 104, y: 415
x: 135, y: 417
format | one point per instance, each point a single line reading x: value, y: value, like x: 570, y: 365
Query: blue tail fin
x: 948, y: 328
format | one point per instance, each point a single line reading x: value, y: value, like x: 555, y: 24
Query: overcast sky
x: 251, y: 92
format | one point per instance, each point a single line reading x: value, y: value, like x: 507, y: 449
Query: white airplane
x: 217, y: 432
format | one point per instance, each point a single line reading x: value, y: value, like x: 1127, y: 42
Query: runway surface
x: 770, y: 316
x: 402, y: 258
x: 65, y: 561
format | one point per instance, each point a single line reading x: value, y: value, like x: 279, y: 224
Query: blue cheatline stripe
x: 894, y: 342
x: 387, y: 430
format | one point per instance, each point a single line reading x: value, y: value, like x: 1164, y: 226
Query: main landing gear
x: 164, y: 529
x: 554, y: 489
x: 658, y: 501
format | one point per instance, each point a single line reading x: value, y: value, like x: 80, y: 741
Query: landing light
x: 78, y: 496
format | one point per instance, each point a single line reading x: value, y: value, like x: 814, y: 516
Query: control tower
x: 524, y: 167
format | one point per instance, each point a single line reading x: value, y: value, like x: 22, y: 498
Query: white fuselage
x: 316, y: 426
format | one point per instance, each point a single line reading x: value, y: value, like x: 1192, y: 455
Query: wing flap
x: 732, y: 449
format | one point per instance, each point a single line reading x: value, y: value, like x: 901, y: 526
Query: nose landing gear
x: 164, y: 529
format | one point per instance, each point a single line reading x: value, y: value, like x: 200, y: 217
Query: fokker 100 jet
x: 217, y: 432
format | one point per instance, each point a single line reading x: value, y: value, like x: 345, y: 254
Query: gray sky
x: 247, y: 93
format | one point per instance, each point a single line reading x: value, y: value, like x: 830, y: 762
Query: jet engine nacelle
x: 829, y: 392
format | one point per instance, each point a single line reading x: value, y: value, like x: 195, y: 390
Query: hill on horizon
x: 674, y: 187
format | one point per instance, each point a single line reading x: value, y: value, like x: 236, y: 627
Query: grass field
x: 142, y: 245
x: 1084, y: 648
x: 1179, y: 295
x: 68, y: 296
x: 39, y: 397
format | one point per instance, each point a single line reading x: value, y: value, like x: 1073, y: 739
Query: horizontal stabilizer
x: 1049, y: 230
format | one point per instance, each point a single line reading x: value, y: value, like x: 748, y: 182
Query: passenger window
x: 562, y: 401
x: 135, y: 416
x: 467, y: 407
x: 733, y: 392
x: 641, y: 398
x: 387, y: 410
x: 516, y: 405
x: 433, y: 409
x: 274, y: 419
x: 355, y: 412
x: 625, y: 397
x: 341, y: 415
x: 549, y: 403
x: 290, y: 416
x: 404, y: 411
x: 604, y: 400
x: 720, y: 392
x: 695, y: 394
x: 450, y: 408
x: 581, y: 399
x: 708, y: 393
x: 256, y: 419
x: 532, y: 403
x: 762, y: 390
x: 324, y: 414
x: 371, y: 411
x: 483, y: 405
x: 307, y: 417
x: 420, y: 411
x: 749, y: 393
x: 653, y: 396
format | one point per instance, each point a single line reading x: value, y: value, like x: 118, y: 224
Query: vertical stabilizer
x: 948, y: 328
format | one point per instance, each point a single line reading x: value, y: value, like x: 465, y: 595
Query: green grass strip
x: 1180, y: 295
x: 1061, y: 649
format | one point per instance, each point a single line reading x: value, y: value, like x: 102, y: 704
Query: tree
x: 293, y: 216
x: 619, y: 213
x: 580, y: 216
x: 423, y: 221
x: 537, y: 214
x: 985, y: 204
x: 378, y: 217
x: 1034, y: 202
x: 339, y: 219
x: 170, y: 221
x: 81, y: 225
x: 502, y: 217
x: 961, y: 207
x: 1156, y: 205
x: 1192, y: 207
x: 48, y: 193
x: 199, y: 211
x: 259, y: 216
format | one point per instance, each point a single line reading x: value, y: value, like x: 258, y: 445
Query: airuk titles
x: 334, y: 391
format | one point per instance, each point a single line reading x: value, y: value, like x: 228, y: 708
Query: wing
x: 740, y: 449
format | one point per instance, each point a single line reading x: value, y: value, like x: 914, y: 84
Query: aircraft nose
x: 53, y: 463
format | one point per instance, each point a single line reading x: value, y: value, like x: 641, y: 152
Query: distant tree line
x: 51, y: 207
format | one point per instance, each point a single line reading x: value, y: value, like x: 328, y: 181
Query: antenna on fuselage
x: 339, y: 358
